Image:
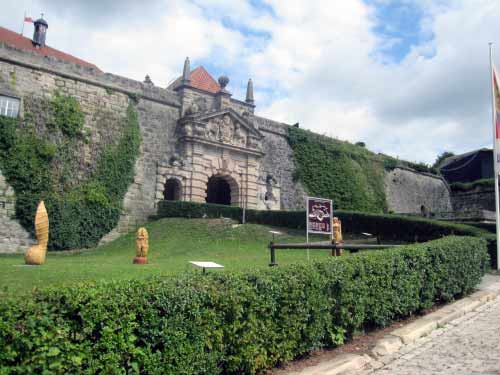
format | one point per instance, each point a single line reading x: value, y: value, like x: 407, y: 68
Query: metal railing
x: 334, y: 247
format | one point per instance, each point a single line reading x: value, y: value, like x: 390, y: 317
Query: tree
x: 441, y: 157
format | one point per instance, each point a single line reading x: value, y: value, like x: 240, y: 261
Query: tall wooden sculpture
x: 141, y: 246
x: 337, y: 236
x: 36, y: 254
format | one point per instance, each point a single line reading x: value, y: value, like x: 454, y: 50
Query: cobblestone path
x: 467, y: 346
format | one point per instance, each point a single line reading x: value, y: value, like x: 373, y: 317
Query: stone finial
x: 36, y: 254
x: 141, y: 246
x: 223, y: 81
x: 147, y: 80
x: 186, y: 72
x: 249, y: 98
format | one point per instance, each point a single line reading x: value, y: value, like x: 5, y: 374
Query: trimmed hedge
x: 490, y: 227
x: 230, y: 323
x: 404, y: 228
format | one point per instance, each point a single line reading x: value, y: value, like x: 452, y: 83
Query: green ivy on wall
x: 67, y: 115
x: 350, y: 175
x: 42, y: 165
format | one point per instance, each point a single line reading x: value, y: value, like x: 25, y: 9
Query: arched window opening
x: 172, y: 190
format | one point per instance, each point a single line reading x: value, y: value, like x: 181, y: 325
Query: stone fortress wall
x: 24, y: 73
x: 410, y: 192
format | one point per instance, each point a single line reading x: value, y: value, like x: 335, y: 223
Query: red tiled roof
x: 201, y: 79
x: 21, y: 42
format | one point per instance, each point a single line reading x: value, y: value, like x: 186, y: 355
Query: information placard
x: 319, y: 215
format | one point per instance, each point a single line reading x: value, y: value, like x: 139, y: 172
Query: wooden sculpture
x: 36, y: 254
x: 337, y: 235
x: 141, y: 246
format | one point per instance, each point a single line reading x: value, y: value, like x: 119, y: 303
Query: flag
x: 28, y: 19
x: 496, y: 114
x: 496, y: 147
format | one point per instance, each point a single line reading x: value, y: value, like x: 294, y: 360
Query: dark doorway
x: 218, y: 191
x: 172, y: 190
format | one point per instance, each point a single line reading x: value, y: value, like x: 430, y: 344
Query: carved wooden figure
x: 141, y: 246
x: 36, y: 254
x: 337, y: 235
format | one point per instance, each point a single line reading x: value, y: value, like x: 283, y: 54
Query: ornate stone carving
x: 199, y: 130
x: 253, y: 142
x: 239, y: 136
x: 36, y: 254
x: 175, y: 161
x: 212, y: 130
x: 226, y: 129
x: 193, y: 108
x: 141, y: 246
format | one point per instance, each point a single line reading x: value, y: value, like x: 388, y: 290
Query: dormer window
x: 9, y: 106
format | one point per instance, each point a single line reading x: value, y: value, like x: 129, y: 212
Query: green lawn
x: 173, y: 242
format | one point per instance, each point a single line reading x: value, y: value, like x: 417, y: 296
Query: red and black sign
x: 319, y: 215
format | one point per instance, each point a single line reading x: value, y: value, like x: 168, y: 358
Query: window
x: 9, y: 106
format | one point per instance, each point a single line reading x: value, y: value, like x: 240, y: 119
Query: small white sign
x: 274, y: 232
x: 206, y: 264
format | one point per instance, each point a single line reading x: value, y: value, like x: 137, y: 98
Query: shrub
x: 350, y: 175
x: 231, y: 323
x: 40, y: 163
x: 467, y: 186
x: 421, y: 167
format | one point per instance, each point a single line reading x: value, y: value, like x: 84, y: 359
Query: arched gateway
x: 222, y: 190
x: 218, y: 160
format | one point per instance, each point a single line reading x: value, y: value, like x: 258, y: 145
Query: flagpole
x: 22, y: 29
x: 495, y: 154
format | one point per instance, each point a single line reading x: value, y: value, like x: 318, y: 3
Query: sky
x: 409, y: 78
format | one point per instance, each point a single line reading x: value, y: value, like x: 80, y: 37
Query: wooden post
x: 337, y: 237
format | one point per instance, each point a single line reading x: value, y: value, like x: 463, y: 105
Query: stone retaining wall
x: 13, y: 237
x: 480, y: 198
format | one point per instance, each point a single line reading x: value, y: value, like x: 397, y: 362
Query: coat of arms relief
x: 223, y: 128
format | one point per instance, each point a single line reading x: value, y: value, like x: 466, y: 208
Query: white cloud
x: 414, y: 109
x: 314, y: 62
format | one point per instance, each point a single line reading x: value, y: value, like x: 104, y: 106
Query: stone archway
x: 173, y: 190
x: 222, y: 190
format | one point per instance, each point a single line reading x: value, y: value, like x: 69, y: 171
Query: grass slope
x: 173, y: 242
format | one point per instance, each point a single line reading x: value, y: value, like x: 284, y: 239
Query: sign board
x: 206, y: 264
x: 319, y: 215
